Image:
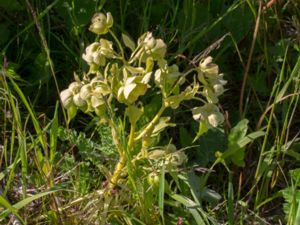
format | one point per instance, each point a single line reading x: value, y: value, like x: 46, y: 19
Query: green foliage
x: 237, y: 141
x: 291, y: 196
x: 89, y: 149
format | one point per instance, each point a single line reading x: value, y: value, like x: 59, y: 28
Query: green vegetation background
x: 253, y: 42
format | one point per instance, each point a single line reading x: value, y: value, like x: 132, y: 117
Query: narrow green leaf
x: 161, y: 193
x: 22, y: 203
x: 10, y: 208
x: 294, y: 73
x: 32, y: 115
x: 192, y: 207
x: 53, y: 134
x: 250, y: 137
x: 297, y: 219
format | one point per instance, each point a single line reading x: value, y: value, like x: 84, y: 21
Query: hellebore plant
x: 115, y: 81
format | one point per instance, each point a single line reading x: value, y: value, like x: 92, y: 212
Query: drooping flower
x: 66, y: 97
x: 96, y: 53
x: 208, y: 114
x: 101, y: 23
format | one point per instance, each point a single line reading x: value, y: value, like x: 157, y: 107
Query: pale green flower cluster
x: 213, y: 86
x: 86, y: 96
x: 112, y: 76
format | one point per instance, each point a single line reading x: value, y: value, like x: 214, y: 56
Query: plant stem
x: 150, y: 126
x: 118, y: 43
x: 118, y: 169
x: 131, y: 136
x: 122, y: 157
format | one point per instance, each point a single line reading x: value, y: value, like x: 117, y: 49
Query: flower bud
x: 149, y: 41
x: 151, y: 47
x: 218, y: 89
x: 177, y: 158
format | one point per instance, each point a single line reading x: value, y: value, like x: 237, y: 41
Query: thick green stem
x: 131, y: 137
x: 122, y: 160
x: 118, y: 170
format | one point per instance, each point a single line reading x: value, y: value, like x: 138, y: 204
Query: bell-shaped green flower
x: 85, y: 91
x: 101, y: 23
x: 208, y: 114
x: 78, y: 101
x: 176, y: 158
x: 97, y: 101
x: 96, y: 53
x: 66, y: 97
x: 208, y: 68
x: 74, y: 87
x: 169, y: 155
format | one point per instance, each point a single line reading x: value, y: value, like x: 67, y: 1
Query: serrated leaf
x: 128, y: 42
